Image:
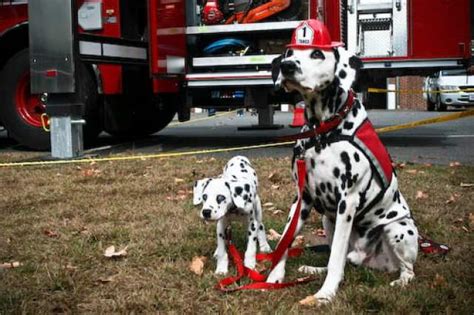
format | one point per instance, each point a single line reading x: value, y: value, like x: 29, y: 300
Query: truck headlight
x: 448, y: 88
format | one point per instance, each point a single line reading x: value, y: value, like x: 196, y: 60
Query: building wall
x: 410, y: 101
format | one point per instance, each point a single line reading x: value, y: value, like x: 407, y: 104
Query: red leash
x: 284, y: 244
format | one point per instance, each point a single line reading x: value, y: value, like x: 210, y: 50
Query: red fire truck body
x: 142, y: 61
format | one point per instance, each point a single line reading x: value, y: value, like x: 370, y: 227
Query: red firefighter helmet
x: 312, y: 34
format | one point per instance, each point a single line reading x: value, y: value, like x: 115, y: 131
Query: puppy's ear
x: 276, y: 68
x: 199, y: 186
x: 243, y: 193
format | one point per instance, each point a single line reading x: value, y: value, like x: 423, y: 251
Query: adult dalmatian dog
x: 229, y: 196
x: 366, y: 219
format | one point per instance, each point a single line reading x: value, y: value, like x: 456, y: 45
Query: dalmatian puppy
x: 233, y: 195
x: 366, y: 222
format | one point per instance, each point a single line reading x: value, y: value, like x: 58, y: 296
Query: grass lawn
x: 57, y: 222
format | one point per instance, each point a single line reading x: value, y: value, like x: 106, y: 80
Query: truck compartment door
x: 377, y: 28
x: 166, y: 21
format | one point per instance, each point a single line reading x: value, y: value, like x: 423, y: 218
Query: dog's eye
x: 204, y: 197
x: 288, y: 53
x: 220, y: 199
x: 317, y: 54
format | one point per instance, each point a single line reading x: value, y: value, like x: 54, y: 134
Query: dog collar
x: 327, y: 125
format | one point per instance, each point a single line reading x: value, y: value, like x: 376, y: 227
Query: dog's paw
x: 356, y: 258
x: 312, y: 270
x: 400, y: 282
x: 323, y: 297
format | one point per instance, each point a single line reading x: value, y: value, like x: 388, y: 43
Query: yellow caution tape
x: 377, y: 90
x: 413, y: 124
x: 201, y: 119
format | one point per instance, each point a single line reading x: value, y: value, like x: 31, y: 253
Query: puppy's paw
x: 312, y: 270
x: 265, y: 248
x: 250, y: 263
x: 276, y: 277
x: 222, y: 265
x: 221, y: 270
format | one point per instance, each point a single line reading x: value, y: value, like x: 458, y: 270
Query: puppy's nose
x: 206, y: 213
x: 288, y: 68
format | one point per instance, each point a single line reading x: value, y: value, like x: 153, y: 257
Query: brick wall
x: 410, y: 101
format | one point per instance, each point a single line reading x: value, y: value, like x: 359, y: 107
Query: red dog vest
x: 369, y: 142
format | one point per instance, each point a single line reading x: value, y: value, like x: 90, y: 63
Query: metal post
x: 53, y: 55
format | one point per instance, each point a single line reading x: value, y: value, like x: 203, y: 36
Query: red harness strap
x: 284, y: 244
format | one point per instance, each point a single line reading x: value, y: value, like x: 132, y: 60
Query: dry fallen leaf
x: 273, y: 235
x: 260, y: 266
x: 467, y: 185
x: 471, y: 218
x: 421, y: 195
x: 454, y: 164
x: 89, y: 172
x: 110, y: 252
x: 319, y: 233
x: 398, y: 165
x: 298, y: 242
x: 70, y: 267
x: 274, y: 177
x: 268, y: 204
x: 50, y: 233
x: 453, y: 198
x: 309, y: 301
x: 428, y: 165
x: 197, y: 264
x: 458, y: 220
x: 465, y: 229
x: 438, y: 281
x: 178, y: 180
x: 275, y: 187
x: 107, y: 279
x: 278, y: 212
x: 11, y: 265
x: 412, y: 171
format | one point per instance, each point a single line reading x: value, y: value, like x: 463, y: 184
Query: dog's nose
x: 206, y: 213
x: 288, y: 68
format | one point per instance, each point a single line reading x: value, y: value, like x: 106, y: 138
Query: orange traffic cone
x: 298, y: 116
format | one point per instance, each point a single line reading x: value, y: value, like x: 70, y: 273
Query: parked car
x: 449, y: 88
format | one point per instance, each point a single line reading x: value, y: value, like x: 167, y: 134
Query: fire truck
x: 127, y: 67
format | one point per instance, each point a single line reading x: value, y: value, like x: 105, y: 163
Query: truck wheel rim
x: 28, y: 105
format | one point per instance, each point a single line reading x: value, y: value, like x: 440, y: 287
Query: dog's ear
x: 276, y: 68
x: 243, y: 193
x: 199, y: 186
x: 355, y: 63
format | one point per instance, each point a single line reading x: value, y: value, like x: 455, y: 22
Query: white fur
x: 231, y: 195
x: 385, y: 237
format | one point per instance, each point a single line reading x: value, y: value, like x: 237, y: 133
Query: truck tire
x: 20, y: 111
x: 131, y: 121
